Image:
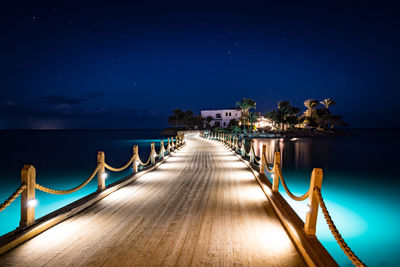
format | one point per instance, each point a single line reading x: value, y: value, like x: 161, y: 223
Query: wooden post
x: 135, y: 163
x: 243, y: 148
x: 152, y: 154
x: 172, y: 143
x: 310, y: 225
x: 28, y: 201
x: 262, y: 163
x: 169, y: 146
x: 237, y: 144
x: 162, y: 149
x: 251, y: 151
x: 277, y: 164
x: 101, y: 179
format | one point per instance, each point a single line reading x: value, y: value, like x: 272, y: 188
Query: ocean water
x: 360, y: 186
x: 360, y: 183
x: 63, y: 160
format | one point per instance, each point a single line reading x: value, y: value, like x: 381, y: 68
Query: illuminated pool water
x: 360, y: 186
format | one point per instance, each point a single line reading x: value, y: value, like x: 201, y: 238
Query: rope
x: 335, y: 232
x: 147, y: 162
x: 13, y: 196
x: 62, y: 192
x: 266, y: 165
x: 119, y: 169
x: 300, y: 198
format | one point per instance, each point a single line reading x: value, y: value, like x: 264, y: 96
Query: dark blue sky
x: 127, y: 65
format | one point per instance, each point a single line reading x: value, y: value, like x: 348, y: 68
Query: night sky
x: 127, y: 65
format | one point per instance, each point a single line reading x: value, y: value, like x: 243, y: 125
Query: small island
x: 286, y: 121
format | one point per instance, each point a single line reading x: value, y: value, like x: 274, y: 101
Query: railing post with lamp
x: 277, y: 164
x: 243, y: 148
x: 251, y: 151
x: 162, y: 149
x: 135, y: 162
x: 310, y: 224
x: 262, y: 164
x: 168, y: 146
x: 28, y: 201
x: 152, y: 154
x: 101, y: 175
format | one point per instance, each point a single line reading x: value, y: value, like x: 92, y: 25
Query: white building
x: 263, y: 122
x: 222, y: 117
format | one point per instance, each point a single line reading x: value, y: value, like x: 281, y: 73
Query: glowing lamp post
x: 28, y: 201
x: 101, y: 184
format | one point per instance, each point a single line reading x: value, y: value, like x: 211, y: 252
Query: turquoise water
x: 63, y: 159
x: 360, y: 186
x: 360, y: 179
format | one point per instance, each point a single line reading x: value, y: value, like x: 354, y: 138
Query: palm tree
x: 336, y: 120
x: 252, y: 118
x: 177, y: 118
x: 310, y: 104
x: 287, y: 114
x: 328, y: 102
x: 274, y: 117
x: 245, y: 105
x: 209, y: 120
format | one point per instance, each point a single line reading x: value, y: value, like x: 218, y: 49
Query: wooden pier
x: 203, y: 206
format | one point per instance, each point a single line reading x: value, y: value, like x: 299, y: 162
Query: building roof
x: 222, y: 109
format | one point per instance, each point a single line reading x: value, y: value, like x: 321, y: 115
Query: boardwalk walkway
x: 201, y: 207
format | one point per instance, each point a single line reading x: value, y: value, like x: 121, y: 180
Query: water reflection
x: 297, y: 153
x: 360, y: 186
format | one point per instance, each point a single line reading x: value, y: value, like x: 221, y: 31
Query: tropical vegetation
x: 317, y: 116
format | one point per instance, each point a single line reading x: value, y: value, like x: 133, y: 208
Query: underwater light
x: 32, y: 203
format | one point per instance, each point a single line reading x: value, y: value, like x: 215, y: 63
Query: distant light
x: 32, y: 202
x: 272, y: 176
x: 104, y: 175
x: 294, y: 139
x: 308, y: 208
x: 137, y: 163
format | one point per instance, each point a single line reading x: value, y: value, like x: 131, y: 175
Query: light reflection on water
x: 361, y: 198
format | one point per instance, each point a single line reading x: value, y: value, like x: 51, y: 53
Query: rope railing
x: 12, y: 197
x: 29, y: 185
x: 68, y: 191
x: 121, y: 168
x: 290, y: 194
x: 335, y: 232
x: 313, y: 194
x: 144, y: 163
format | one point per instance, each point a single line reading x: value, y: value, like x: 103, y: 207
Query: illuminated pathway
x: 201, y: 207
